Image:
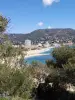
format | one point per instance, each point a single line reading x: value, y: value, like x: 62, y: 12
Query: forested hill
x: 51, y: 35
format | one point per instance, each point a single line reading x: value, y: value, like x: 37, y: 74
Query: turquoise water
x: 41, y: 58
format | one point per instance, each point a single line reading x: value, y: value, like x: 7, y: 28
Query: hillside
x: 51, y: 35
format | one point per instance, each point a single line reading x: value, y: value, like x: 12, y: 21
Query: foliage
x: 62, y: 74
x: 62, y: 56
x: 65, y: 66
x: 3, y: 99
x: 55, y: 86
x: 50, y: 63
x: 15, y: 82
x: 71, y: 60
x: 3, y: 23
x: 34, y: 63
x: 9, y: 51
x: 17, y: 98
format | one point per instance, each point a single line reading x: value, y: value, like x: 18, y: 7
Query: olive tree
x: 3, y: 23
x: 61, y: 56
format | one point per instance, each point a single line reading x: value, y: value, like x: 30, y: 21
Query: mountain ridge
x: 36, y: 36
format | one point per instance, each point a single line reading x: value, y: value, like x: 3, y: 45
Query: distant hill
x: 51, y: 35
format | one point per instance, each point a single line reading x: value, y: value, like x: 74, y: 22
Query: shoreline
x: 33, y: 53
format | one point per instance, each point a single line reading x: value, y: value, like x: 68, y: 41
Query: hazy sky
x: 28, y: 15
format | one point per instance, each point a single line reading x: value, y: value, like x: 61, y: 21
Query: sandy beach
x: 33, y: 53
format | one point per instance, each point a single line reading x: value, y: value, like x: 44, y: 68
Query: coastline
x: 33, y: 53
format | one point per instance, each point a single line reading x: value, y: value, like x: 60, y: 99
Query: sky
x: 29, y: 15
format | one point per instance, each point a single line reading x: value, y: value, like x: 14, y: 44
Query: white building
x: 47, y: 44
x: 27, y: 42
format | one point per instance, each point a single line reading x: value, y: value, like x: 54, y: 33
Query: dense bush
x: 3, y: 23
x: 15, y: 82
x: 62, y: 74
x: 62, y: 55
x: 3, y: 99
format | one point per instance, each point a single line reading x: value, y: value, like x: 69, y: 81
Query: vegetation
x: 60, y: 82
x: 3, y: 99
x: 62, y: 56
x: 3, y: 23
x: 19, y: 81
x: 15, y: 80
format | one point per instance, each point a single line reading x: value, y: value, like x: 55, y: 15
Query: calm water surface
x: 41, y: 58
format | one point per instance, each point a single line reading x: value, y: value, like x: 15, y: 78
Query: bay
x: 47, y: 55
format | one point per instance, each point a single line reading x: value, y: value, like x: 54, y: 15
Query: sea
x: 47, y: 55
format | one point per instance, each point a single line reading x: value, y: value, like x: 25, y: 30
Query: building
x: 47, y: 44
x: 27, y: 42
x: 70, y: 43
